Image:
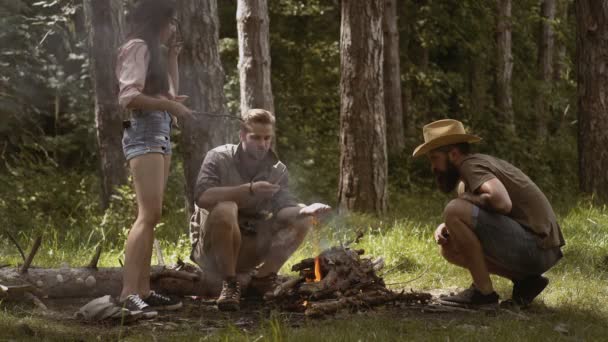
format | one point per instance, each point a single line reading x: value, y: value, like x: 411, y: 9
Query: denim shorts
x: 511, y: 245
x: 147, y: 132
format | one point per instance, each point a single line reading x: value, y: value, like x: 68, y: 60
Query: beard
x: 448, y: 179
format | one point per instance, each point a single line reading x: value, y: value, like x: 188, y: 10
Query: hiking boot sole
x: 489, y: 306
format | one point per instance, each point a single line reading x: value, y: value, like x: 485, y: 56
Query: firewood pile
x: 339, y: 278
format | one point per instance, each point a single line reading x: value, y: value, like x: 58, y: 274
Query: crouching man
x: 246, y: 219
x: 501, y: 222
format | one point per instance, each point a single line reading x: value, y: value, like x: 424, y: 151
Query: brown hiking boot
x: 230, y: 296
x: 262, y: 285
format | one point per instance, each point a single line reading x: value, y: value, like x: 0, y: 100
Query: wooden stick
x: 95, y: 260
x: 159, y: 253
x: 36, y: 300
x: 31, y: 256
x: 16, y: 244
x: 287, y: 285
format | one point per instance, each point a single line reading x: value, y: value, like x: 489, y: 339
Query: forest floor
x: 573, y: 307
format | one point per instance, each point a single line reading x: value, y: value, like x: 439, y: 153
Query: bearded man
x: 501, y: 223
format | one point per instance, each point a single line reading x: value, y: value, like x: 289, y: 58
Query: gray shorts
x: 148, y: 132
x: 511, y: 245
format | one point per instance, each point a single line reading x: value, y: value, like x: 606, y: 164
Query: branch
x: 31, y: 256
x: 16, y: 244
x: 95, y: 260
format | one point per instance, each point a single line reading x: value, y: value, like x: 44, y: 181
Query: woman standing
x: 148, y: 78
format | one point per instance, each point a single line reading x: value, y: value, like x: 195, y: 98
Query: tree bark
x: 201, y: 78
x: 105, y: 22
x: 592, y: 71
x: 254, y: 55
x: 545, y: 66
x: 85, y: 282
x: 363, y: 161
x: 562, y: 13
x: 504, y: 67
x: 479, y: 86
x: 395, y: 131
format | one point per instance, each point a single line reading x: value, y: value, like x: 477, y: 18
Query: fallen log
x: 86, y: 282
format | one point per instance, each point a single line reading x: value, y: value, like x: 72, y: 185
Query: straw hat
x: 441, y: 133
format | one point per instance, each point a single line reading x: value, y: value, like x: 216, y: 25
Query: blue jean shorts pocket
x: 149, y: 132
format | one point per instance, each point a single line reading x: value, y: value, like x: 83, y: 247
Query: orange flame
x: 317, y: 270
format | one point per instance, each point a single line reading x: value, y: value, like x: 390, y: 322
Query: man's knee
x: 451, y: 254
x: 224, y: 214
x: 448, y: 252
x: 457, y: 210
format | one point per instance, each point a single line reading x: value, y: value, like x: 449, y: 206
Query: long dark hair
x: 147, y: 20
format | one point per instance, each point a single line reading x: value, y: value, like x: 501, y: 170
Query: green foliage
x: 45, y: 97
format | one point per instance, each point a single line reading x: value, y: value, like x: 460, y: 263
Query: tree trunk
x: 254, y: 55
x: 392, y: 80
x: 562, y: 12
x: 363, y: 161
x: 592, y: 71
x: 504, y: 67
x: 545, y: 67
x: 479, y: 86
x: 201, y: 78
x: 105, y: 21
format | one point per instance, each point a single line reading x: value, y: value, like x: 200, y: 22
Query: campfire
x: 338, y: 278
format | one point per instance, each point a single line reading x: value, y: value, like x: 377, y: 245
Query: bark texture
x: 92, y: 282
x: 105, y: 21
x: 201, y: 78
x: 363, y: 161
x: 254, y: 55
x: 395, y: 131
x: 546, y: 46
x: 504, y: 65
x: 592, y: 70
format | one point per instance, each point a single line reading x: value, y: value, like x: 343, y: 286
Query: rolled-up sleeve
x: 209, y: 174
x: 131, y: 68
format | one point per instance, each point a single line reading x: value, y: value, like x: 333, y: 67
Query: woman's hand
x: 174, y: 49
x: 179, y: 110
x: 174, y: 45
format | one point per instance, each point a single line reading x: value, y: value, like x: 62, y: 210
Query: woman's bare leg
x: 149, y: 180
x: 144, y: 278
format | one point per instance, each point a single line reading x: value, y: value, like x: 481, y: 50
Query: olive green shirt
x: 530, y: 206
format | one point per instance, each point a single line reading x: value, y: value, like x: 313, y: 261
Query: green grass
x: 575, y: 299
